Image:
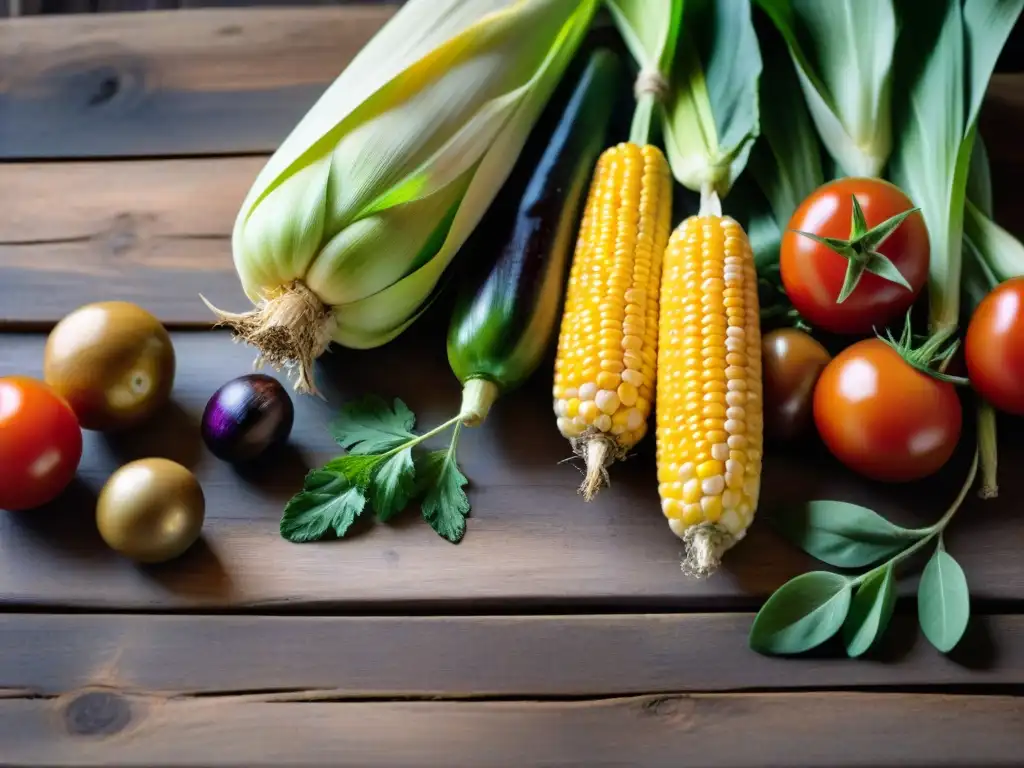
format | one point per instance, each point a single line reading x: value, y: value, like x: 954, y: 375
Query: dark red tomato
x: 40, y: 444
x: 813, y: 274
x: 994, y: 347
x: 883, y: 418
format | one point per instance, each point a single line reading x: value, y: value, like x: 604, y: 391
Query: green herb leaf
x: 870, y: 610
x: 369, y: 425
x: 802, y: 613
x: 712, y: 115
x: 943, y: 600
x: 330, y: 502
x: 842, y: 534
x: 394, y: 485
x: 445, y: 504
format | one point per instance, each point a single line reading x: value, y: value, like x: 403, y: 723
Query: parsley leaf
x: 369, y: 425
x: 394, y: 485
x: 445, y: 504
x: 358, y: 470
x: 329, y: 501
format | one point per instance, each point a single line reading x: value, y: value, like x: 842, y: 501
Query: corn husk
x: 352, y: 222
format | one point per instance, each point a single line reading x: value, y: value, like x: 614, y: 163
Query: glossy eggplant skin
x: 506, y: 314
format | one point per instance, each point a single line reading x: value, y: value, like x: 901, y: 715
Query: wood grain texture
x: 156, y: 232
x: 456, y: 656
x: 531, y: 541
x: 808, y: 729
x: 170, y: 82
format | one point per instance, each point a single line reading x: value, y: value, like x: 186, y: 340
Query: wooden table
x: 557, y: 633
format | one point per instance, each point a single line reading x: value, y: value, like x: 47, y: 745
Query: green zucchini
x: 506, y: 314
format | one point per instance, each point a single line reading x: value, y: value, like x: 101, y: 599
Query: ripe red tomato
x: 40, y: 444
x: 994, y: 347
x: 883, y: 418
x: 813, y: 274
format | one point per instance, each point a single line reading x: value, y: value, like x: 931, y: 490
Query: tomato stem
x: 987, y: 447
x: 932, y: 357
x: 933, y: 530
x: 861, y: 249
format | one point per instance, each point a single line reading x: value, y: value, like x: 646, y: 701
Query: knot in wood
x: 97, y: 713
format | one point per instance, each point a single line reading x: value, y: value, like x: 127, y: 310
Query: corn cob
x: 709, y: 416
x: 607, y: 345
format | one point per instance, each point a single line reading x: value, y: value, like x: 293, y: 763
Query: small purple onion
x: 247, y: 417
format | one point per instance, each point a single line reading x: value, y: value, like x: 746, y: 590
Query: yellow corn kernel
x: 709, y: 385
x: 607, y: 343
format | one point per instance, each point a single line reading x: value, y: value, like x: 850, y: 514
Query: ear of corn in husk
x: 348, y: 228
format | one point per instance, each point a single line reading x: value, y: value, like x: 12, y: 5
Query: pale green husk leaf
x: 843, y: 51
x: 378, y: 186
x: 650, y: 31
x: 712, y: 119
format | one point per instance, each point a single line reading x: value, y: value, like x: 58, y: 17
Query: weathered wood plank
x: 452, y: 656
x: 170, y: 82
x: 531, y: 539
x: 157, y: 233
x: 810, y: 729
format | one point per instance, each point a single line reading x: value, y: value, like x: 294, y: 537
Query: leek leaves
x: 946, y: 60
x: 843, y: 52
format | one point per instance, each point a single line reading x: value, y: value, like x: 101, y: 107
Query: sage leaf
x: 841, y: 534
x: 802, y: 613
x: 943, y: 600
x: 870, y: 610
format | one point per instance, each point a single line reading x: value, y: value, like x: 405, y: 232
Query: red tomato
x: 813, y: 274
x: 883, y: 418
x: 994, y: 347
x: 40, y: 444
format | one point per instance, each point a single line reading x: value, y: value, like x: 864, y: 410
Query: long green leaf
x: 979, y: 178
x: 802, y: 613
x: 843, y: 50
x: 943, y: 601
x: 786, y: 160
x: 712, y: 118
x: 1001, y: 252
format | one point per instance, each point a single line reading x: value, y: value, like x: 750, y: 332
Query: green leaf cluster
x: 814, y: 607
x: 383, y: 469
